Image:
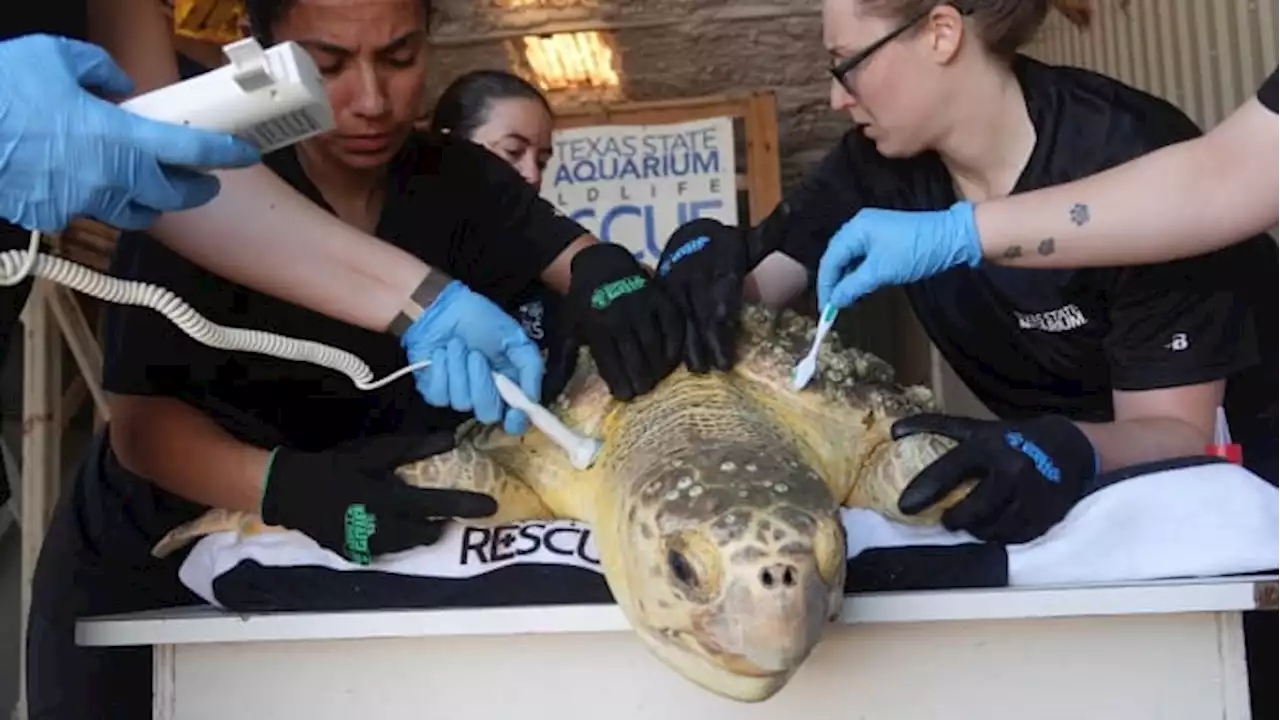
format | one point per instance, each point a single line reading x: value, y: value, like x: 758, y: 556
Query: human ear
x: 944, y: 32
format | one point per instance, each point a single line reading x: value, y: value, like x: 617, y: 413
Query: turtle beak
x: 772, y: 618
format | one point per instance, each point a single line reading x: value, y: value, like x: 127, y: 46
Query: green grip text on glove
x: 349, y: 499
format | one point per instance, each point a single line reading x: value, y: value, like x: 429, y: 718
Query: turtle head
x: 736, y: 566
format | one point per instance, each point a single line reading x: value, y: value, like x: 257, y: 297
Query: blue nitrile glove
x: 890, y: 247
x: 467, y: 337
x: 65, y: 152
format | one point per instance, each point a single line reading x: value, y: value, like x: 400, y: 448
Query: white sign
x: 635, y: 184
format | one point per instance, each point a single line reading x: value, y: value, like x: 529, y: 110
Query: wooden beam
x: 41, y: 446
x: 721, y: 14
x: 80, y: 339
x: 76, y: 393
x: 764, y: 170
x: 655, y: 112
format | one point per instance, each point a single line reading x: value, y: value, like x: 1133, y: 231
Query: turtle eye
x: 681, y: 570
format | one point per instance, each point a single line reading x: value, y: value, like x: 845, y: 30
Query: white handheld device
x: 271, y: 98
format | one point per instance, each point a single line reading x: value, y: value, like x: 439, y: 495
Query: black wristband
x: 421, y: 298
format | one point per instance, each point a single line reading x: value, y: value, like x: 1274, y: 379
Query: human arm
x: 157, y: 438
x: 254, y: 232
x: 1154, y: 425
x: 1030, y: 473
x: 1189, y: 195
x: 621, y: 314
x: 798, y: 231
x: 1175, y: 334
x: 258, y: 226
x: 183, y: 451
x: 185, y: 420
x: 1185, y: 199
x: 139, y: 36
x: 67, y: 152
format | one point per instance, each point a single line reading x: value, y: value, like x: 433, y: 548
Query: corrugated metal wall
x: 1206, y: 56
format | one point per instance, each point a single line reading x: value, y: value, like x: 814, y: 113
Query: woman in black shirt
x: 1088, y: 370
x: 506, y: 115
x: 1189, y: 198
x: 193, y: 427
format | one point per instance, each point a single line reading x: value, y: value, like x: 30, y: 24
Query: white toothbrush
x: 809, y: 365
x: 581, y: 450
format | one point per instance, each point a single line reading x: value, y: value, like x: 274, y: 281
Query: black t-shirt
x: 1031, y: 342
x: 1267, y: 92
x: 450, y: 202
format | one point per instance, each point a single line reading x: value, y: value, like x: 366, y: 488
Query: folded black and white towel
x: 1192, y: 518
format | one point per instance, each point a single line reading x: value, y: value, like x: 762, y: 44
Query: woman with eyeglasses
x: 1087, y: 370
x: 1094, y: 369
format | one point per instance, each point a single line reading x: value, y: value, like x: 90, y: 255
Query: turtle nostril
x: 784, y: 575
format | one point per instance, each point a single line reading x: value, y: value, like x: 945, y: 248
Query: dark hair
x: 1003, y: 25
x: 262, y: 15
x: 465, y: 104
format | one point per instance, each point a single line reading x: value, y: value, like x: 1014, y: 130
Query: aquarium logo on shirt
x: 1064, y: 319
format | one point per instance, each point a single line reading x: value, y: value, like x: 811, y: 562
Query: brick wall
x: 667, y: 49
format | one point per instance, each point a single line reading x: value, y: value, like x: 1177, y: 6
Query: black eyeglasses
x: 841, y: 70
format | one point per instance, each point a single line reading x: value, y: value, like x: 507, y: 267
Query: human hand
x: 349, y: 499
x: 703, y: 266
x: 1030, y: 474
x: 633, y: 328
x: 65, y: 152
x: 466, y: 337
x: 890, y: 247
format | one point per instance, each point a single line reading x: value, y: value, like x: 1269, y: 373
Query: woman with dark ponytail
x: 512, y: 119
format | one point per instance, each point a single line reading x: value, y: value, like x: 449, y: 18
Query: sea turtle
x: 715, y: 499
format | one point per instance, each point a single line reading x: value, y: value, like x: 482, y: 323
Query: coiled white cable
x: 16, y: 265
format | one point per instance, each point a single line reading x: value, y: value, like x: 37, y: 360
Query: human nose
x: 529, y: 170
x: 841, y: 98
x: 371, y: 100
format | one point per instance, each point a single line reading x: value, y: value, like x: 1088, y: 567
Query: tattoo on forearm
x: 1080, y: 214
x: 1013, y: 252
x: 1045, y: 248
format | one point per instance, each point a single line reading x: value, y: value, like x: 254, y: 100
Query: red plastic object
x: 1231, y: 451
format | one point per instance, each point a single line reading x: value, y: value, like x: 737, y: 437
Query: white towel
x: 1200, y: 521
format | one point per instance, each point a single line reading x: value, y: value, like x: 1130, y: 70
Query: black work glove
x: 632, y: 327
x: 1030, y: 473
x: 349, y: 500
x: 703, y: 267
